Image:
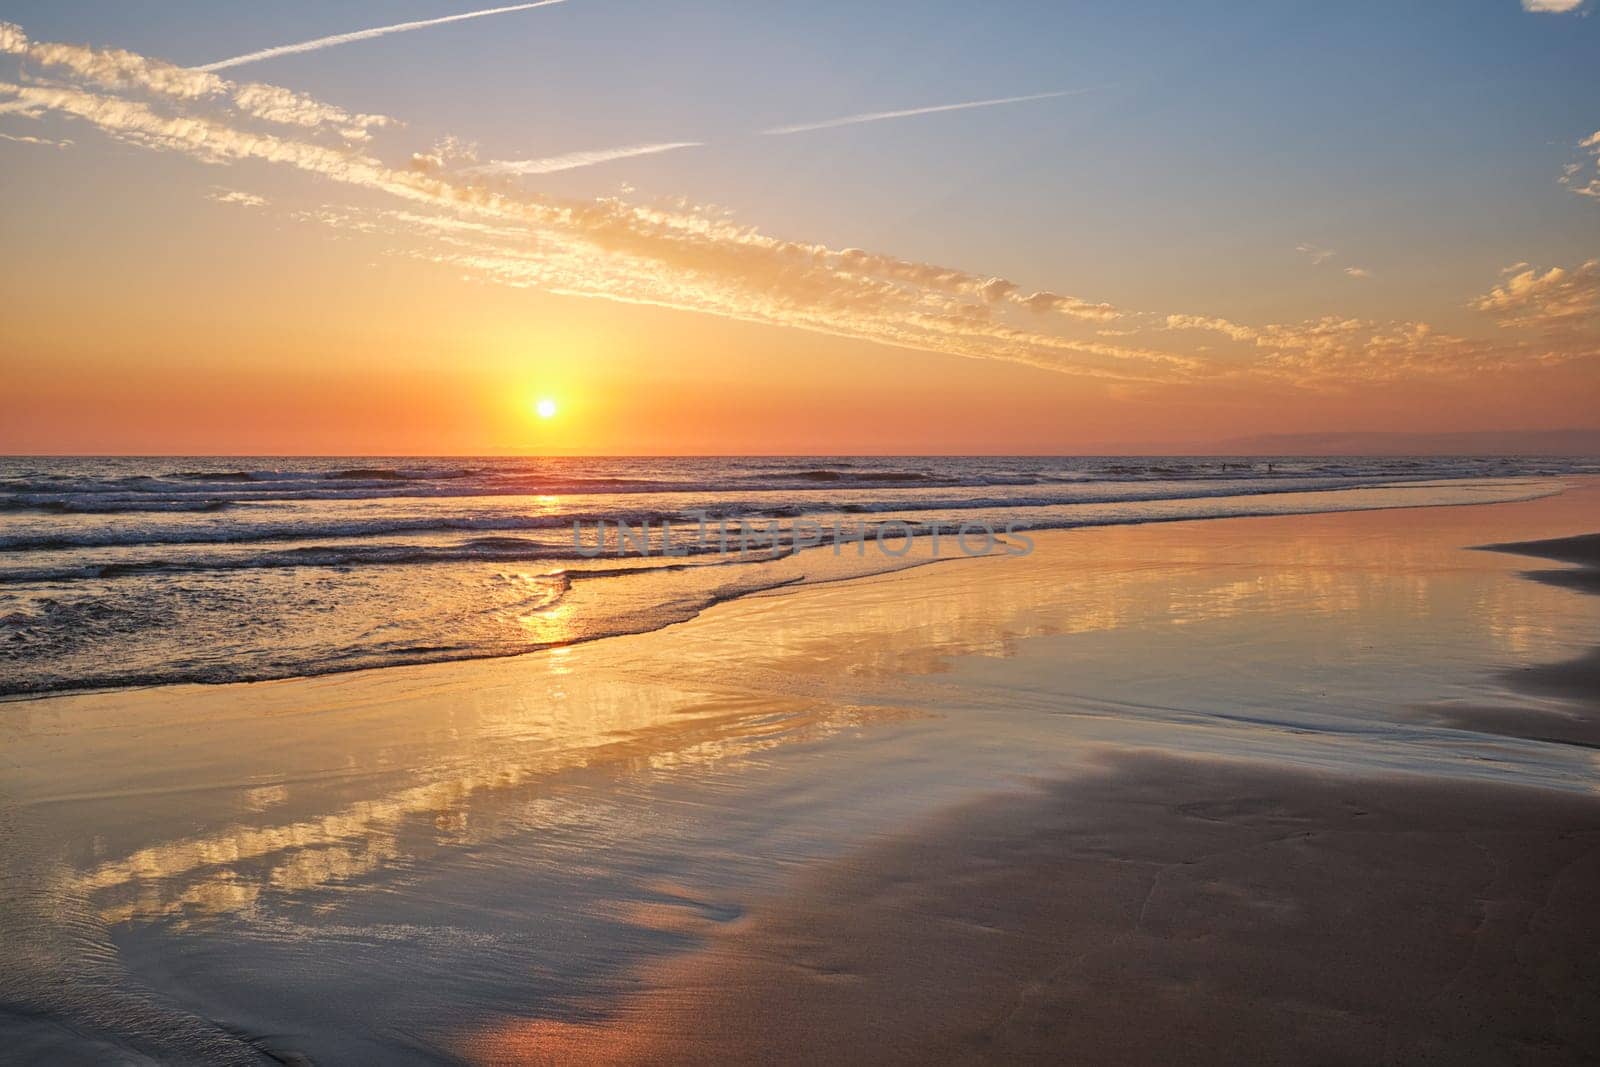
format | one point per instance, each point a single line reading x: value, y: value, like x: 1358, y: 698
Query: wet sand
x: 1158, y: 910
x: 1225, y: 789
x: 1573, y: 716
x: 1583, y: 550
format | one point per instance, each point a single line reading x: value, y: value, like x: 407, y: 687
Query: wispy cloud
x: 23, y: 138
x: 122, y: 71
x: 880, y: 116
x: 1573, y: 176
x: 366, y: 35
x: 575, y: 160
x: 1334, y: 352
x: 1551, y: 7
x: 234, y: 196
x: 1318, y: 256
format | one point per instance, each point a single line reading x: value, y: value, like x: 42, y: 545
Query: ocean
x: 131, y: 571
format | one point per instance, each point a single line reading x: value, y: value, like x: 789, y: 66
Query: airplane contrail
x: 363, y: 35
x: 574, y: 160
x: 879, y: 116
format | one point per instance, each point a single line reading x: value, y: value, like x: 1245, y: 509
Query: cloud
x: 22, y: 138
x: 1551, y: 7
x: 1318, y: 256
x: 1572, y: 176
x: 574, y: 160
x: 286, y: 107
x: 1333, y: 352
x: 1555, y: 298
x: 1204, y: 322
x: 1070, y: 306
x: 880, y: 116
x: 365, y: 35
x: 234, y: 196
x: 447, y: 152
x: 128, y: 72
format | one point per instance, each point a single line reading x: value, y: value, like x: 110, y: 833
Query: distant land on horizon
x: 1569, y: 442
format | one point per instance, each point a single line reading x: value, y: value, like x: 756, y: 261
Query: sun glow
x: 545, y: 408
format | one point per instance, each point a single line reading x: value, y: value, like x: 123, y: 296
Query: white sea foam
x: 113, y: 571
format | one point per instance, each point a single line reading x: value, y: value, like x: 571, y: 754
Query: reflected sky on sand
x: 364, y: 865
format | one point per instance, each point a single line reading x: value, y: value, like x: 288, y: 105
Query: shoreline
x: 1538, y: 488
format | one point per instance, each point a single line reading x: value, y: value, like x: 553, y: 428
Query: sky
x: 350, y: 227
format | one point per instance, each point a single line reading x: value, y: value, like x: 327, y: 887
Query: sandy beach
x: 564, y: 532
x: 1240, y: 789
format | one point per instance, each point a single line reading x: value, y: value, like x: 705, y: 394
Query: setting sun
x: 545, y: 408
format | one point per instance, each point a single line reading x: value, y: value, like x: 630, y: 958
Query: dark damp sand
x: 1576, y: 680
x: 1583, y: 550
x: 1173, y: 909
x: 1168, y: 910
x: 1573, y: 685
